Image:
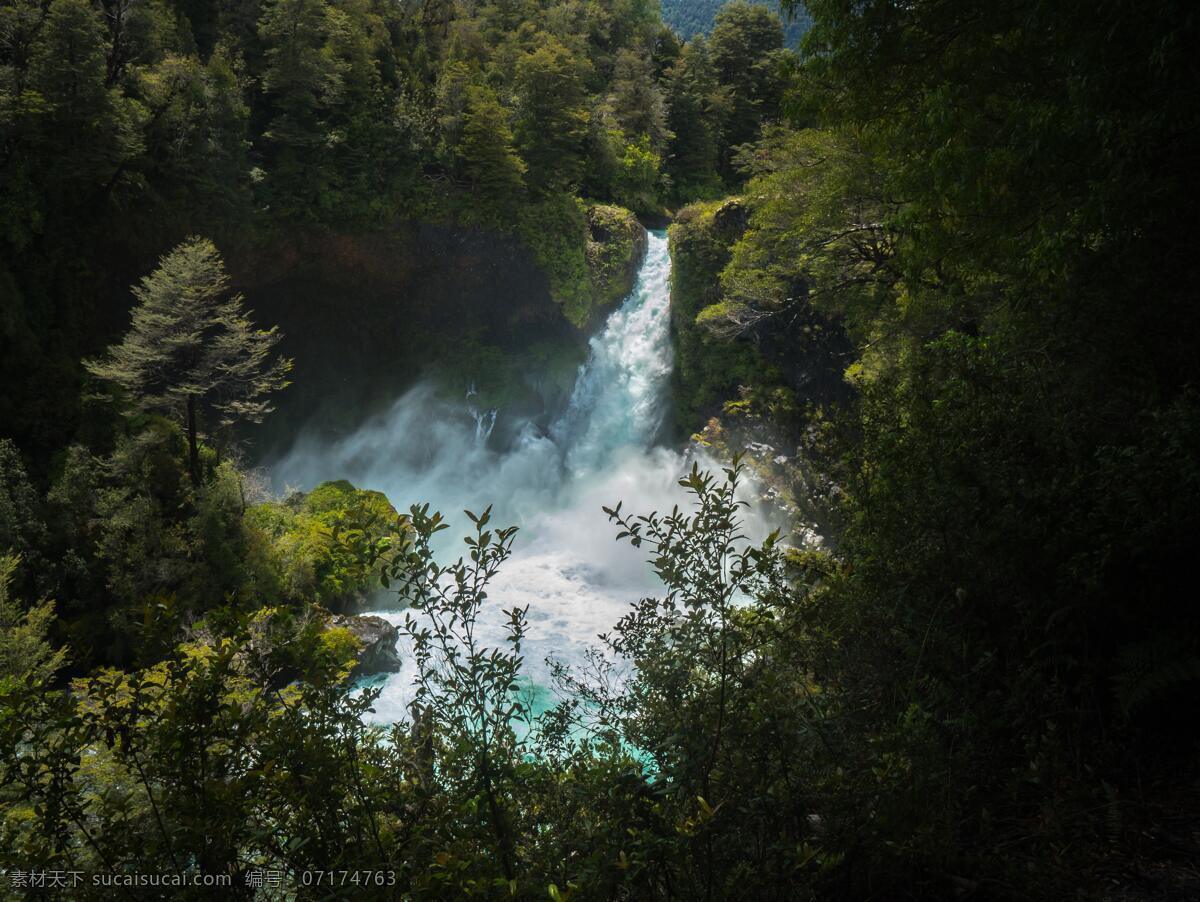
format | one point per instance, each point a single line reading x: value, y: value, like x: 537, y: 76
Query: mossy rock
x: 555, y: 229
x: 590, y: 253
x: 615, y: 249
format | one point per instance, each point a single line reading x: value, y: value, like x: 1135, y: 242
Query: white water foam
x: 576, y: 580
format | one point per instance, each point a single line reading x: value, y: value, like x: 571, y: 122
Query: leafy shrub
x: 317, y: 541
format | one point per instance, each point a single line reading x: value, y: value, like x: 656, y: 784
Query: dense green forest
x: 941, y: 254
x: 689, y: 18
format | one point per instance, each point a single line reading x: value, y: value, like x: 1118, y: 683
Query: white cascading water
x: 576, y: 580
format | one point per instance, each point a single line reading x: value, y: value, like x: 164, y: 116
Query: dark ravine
x: 367, y: 315
x: 364, y: 315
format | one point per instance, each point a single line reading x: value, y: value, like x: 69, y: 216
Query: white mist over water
x: 576, y: 580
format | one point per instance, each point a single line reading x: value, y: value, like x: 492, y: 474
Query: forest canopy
x: 689, y: 18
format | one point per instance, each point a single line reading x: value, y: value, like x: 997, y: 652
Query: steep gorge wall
x: 365, y: 316
x: 758, y: 392
x: 713, y: 369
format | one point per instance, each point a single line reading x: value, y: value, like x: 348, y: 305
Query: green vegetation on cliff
x: 590, y: 253
x: 314, y: 541
x: 616, y: 246
x: 708, y: 370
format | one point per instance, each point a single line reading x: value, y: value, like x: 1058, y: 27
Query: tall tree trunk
x: 193, y: 446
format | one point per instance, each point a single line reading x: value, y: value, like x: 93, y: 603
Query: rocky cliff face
x: 366, y: 315
x: 708, y: 370
x: 753, y: 392
x: 615, y: 249
x: 377, y: 641
x: 803, y: 353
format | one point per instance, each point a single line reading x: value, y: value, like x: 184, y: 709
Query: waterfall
x: 485, y: 422
x: 620, y: 395
x: 551, y: 483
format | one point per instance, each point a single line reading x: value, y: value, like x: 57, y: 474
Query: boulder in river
x: 377, y: 639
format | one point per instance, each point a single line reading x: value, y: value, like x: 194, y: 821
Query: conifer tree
x: 192, y: 350
x: 697, y: 106
x: 745, y: 49
x: 637, y: 100
x: 487, y: 151
x: 552, y: 118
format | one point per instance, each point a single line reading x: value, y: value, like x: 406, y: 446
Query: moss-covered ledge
x: 589, y: 252
x: 709, y: 369
x: 616, y: 247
